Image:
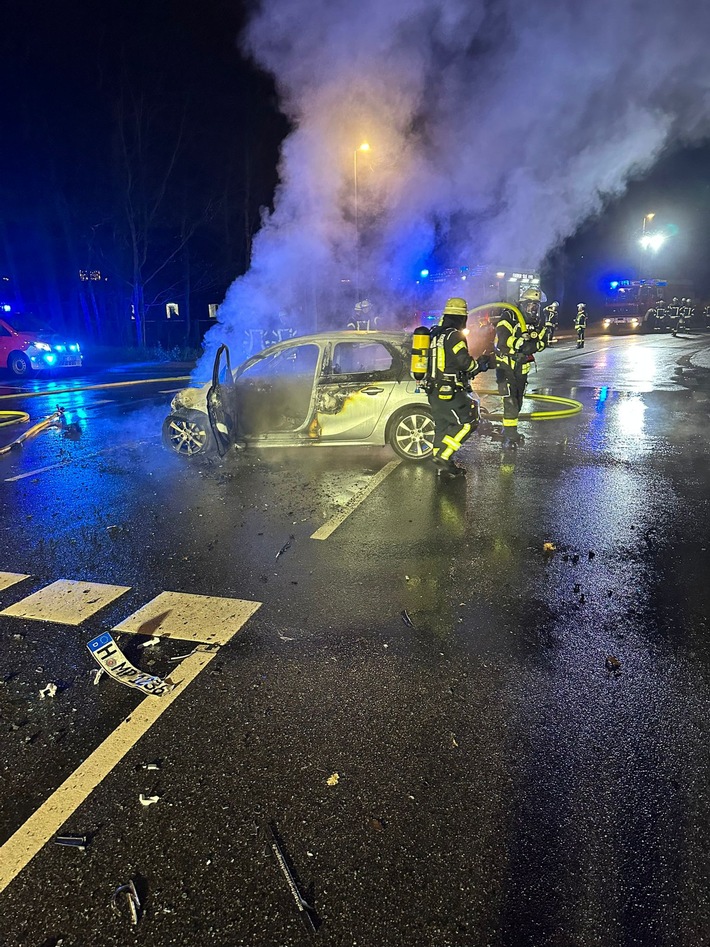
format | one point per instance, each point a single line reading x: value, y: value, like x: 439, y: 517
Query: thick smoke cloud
x: 496, y: 129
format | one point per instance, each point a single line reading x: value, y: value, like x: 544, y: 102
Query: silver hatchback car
x: 336, y: 388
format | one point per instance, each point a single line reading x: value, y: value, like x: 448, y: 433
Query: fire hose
x: 21, y: 417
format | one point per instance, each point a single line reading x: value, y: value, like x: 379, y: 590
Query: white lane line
x: 170, y: 391
x: 65, y: 463
x: 328, y: 528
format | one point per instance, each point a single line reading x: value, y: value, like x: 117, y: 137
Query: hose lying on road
x: 13, y: 417
x: 569, y: 407
x: 51, y: 421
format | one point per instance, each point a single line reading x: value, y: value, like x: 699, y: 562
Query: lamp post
x: 645, y: 220
x: 363, y: 147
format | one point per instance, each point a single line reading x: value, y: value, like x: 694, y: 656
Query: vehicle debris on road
x: 333, y: 780
x: 406, y: 619
x: 285, y: 546
x: 73, y: 841
x: 148, y: 800
x: 306, y: 910
x: 127, y: 894
x: 114, y: 662
x: 49, y: 691
x: 613, y: 665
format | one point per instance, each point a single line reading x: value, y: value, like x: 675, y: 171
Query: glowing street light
x: 645, y: 221
x: 652, y: 241
x: 362, y: 148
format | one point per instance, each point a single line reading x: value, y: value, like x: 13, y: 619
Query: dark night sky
x: 65, y: 65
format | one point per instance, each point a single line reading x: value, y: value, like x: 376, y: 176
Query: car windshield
x: 27, y: 322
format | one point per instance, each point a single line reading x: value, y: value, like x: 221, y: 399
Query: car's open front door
x: 221, y: 402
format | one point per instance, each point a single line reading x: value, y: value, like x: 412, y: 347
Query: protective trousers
x: 580, y: 336
x: 455, y: 419
x: 511, y: 385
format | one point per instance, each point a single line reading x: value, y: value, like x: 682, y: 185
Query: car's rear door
x: 357, y: 382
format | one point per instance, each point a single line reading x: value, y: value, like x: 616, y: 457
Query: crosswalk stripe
x: 11, y: 578
x: 66, y: 601
x: 206, y: 619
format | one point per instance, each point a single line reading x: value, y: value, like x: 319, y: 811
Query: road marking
x: 11, y: 578
x: 31, y: 837
x: 66, y: 601
x: 110, y: 384
x: 169, y: 391
x: 202, y: 618
x: 328, y: 528
x: 64, y: 463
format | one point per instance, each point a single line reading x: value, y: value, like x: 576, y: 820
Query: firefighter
x: 515, y: 348
x: 580, y: 323
x: 674, y: 315
x: 552, y: 312
x: 454, y: 411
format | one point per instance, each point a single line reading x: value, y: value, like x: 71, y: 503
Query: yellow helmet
x: 456, y: 307
x: 531, y: 294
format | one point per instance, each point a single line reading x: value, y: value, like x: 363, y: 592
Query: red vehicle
x: 28, y: 345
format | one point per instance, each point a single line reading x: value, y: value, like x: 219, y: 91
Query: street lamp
x: 643, y: 227
x: 363, y: 147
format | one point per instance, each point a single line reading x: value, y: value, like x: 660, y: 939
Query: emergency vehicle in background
x: 478, y: 285
x: 631, y: 305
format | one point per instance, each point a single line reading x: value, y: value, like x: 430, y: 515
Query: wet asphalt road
x: 526, y: 764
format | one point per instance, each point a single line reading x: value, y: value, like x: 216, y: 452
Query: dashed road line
x: 66, y: 463
x: 11, y: 578
x: 66, y: 602
x: 328, y: 528
x: 203, y: 618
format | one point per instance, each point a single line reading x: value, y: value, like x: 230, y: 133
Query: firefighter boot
x: 512, y: 440
x: 449, y: 469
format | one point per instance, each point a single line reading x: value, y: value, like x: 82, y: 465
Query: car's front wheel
x: 411, y: 434
x: 19, y: 365
x: 189, y: 435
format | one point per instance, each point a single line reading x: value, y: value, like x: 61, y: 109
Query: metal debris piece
x: 406, y: 619
x: 150, y: 643
x: 306, y: 910
x: 148, y: 800
x: 285, y: 546
x: 49, y: 691
x: 129, y: 893
x: 613, y: 665
x: 72, y: 841
x: 333, y: 780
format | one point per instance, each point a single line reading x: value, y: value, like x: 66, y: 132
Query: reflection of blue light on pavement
x: 603, y: 393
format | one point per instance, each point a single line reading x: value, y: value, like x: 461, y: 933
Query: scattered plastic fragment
x: 72, y: 841
x: 148, y: 800
x: 333, y: 780
x: 306, y: 910
x: 98, y: 675
x: 128, y: 894
x: 150, y: 643
x: 549, y: 547
x: 613, y: 665
x: 285, y: 546
x: 406, y: 619
x: 154, y: 765
x: 49, y: 691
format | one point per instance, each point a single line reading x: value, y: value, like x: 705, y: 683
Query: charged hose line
x: 570, y: 408
x: 51, y: 421
x: 13, y: 417
x: 510, y: 306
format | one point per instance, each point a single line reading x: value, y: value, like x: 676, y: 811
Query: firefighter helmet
x: 531, y: 294
x: 554, y: 305
x: 581, y: 306
x: 456, y: 307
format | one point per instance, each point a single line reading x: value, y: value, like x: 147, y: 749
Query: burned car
x: 339, y: 388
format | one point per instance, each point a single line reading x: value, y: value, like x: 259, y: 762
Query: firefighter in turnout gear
x: 516, y: 344
x: 451, y: 367
x: 580, y: 323
x: 552, y: 312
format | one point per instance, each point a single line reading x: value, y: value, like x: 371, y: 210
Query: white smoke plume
x: 495, y: 130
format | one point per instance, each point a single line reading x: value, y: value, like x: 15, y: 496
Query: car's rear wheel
x: 189, y: 435
x: 411, y: 434
x: 19, y: 365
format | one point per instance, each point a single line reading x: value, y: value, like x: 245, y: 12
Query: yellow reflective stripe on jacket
x: 459, y: 345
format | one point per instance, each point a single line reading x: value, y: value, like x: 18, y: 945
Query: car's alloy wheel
x: 19, y: 365
x: 412, y: 436
x: 184, y: 436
